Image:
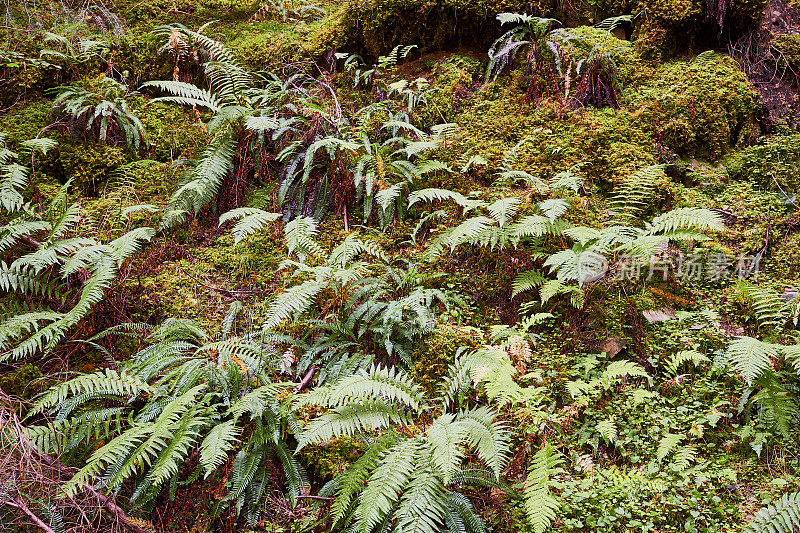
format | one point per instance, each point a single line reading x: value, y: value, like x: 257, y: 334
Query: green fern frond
x: 386, y: 484
x: 781, y: 516
x: 766, y: 304
x: 250, y: 221
x: 351, y: 419
x: 216, y: 445
x: 750, y: 357
x: 541, y: 505
x: 668, y: 444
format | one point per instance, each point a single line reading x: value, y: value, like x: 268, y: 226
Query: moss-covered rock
x: 87, y: 165
x: 702, y: 107
x: 776, y: 161
x: 789, y: 47
x: 666, y: 27
x: 546, y: 139
x: 24, y: 382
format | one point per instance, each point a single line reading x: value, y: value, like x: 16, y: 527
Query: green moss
x: 87, y: 165
x: 135, y: 56
x: 703, y: 107
x: 23, y: 382
x: 332, y: 458
x: 173, y: 132
x: 376, y: 26
x: 26, y: 121
x: 789, y: 47
x: 588, y: 40
x: 550, y: 138
x: 775, y: 162
x: 666, y: 27
x: 438, y: 351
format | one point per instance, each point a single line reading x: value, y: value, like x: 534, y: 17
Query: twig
x: 29, y: 241
x: 19, y: 504
x: 310, y: 497
x: 114, y: 509
x: 306, y: 380
x: 221, y: 290
x: 784, y: 192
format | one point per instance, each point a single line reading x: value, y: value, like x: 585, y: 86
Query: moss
x: 26, y: 121
x: 667, y: 27
x: 452, y: 79
x: 376, y: 26
x: 549, y: 138
x: 332, y: 458
x: 438, y: 351
x: 87, y: 165
x: 261, y: 44
x: 776, y: 161
x: 630, y: 67
x: 703, y: 107
x: 789, y: 47
x: 25, y: 382
x: 135, y: 56
x: 22, y: 73
x: 173, y: 132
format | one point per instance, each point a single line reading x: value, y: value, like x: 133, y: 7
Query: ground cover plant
x: 399, y: 266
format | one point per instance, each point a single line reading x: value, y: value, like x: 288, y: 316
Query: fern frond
x: 250, y: 221
x: 541, y: 505
x: 216, y: 445
x: 750, y: 357
x: 351, y: 419
x: 386, y: 484
x: 781, y: 516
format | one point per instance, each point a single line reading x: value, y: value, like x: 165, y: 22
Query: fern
x: 184, y: 391
x: 668, y: 444
x: 402, y: 482
x: 750, y: 357
x: 685, y: 356
x: 540, y: 505
x: 216, y: 445
x: 766, y: 305
x: 251, y: 220
x: 781, y: 516
x: 632, y: 197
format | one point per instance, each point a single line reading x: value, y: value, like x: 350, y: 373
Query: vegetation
x: 411, y: 266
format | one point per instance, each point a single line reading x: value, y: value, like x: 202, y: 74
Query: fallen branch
x: 19, y: 504
x: 306, y: 379
x: 115, y: 509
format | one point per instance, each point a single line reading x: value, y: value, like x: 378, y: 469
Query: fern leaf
x: 781, y: 516
x: 216, y: 445
x: 750, y: 357
x: 540, y: 505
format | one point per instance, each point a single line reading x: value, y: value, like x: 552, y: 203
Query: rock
x: 659, y: 315
x: 612, y: 346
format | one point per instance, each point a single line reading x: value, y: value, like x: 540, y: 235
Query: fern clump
x: 55, y: 276
x: 407, y: 483
x: 185, y: 391
x: 244, y: 125
x: 102, y: 115
x: 384, y: 312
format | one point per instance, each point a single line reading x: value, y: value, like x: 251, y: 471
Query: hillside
x: 400, y: 266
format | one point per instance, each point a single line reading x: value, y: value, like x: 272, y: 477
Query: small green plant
x: 244, y: 122
x: 56, y: 276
